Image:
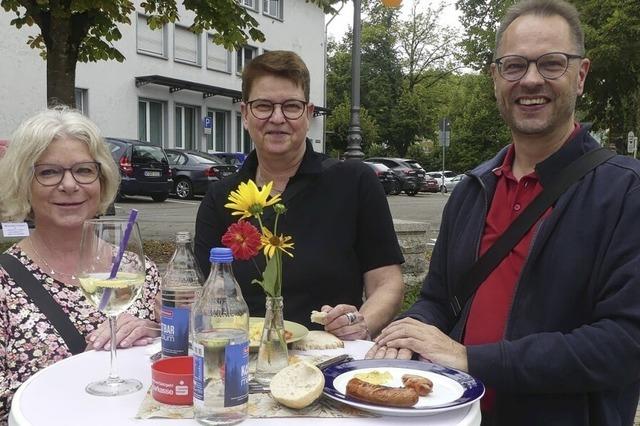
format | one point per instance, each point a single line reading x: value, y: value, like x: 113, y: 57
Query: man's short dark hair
x: 279, y: 63
x: 544, y: 8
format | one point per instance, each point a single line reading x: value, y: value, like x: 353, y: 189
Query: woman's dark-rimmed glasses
x: 263, y: 109
x: 551, y: 66
x: 52, y: 174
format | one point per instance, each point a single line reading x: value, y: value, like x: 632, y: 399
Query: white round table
x: 56, y: 396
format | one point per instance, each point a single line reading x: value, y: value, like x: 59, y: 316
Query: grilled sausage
x: 381, y: 395
x: 420, y: 384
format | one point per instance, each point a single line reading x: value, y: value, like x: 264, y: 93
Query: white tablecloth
x: 56, y: 396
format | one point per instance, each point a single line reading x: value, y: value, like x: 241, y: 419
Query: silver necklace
x: 52, y: 272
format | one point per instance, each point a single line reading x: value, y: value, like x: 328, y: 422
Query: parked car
x: 232, y: 158
x: 193, y: 171
x: 444, y: 184
x: 144, y: 168
x: 390, y: 182
x: 411, y: 176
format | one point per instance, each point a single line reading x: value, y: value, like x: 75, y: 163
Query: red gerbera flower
x: 243, y: 239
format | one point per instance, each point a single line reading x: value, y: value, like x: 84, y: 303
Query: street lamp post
x: 354, y: 136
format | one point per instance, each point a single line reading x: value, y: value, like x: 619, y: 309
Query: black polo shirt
x: 339, y: 219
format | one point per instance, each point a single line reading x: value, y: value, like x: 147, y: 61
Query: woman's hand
x: 346, y: 322
x: 131, y: 331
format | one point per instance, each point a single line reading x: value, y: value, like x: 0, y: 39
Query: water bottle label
x: 236, y: 375
x: 175, y: 331
x: 198, y: 374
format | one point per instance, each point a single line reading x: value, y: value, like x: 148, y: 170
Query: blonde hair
x: 28, y: 143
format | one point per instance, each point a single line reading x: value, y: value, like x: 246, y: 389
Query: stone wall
x: 414, y: 241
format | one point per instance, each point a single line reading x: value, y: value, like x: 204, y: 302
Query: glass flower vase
x: 272, y: 354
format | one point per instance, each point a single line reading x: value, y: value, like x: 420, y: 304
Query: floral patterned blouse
x: 28, y: 341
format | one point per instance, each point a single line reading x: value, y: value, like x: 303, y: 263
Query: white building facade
x: 175, y: 88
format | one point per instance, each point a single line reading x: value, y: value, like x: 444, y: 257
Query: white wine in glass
x: 111, y: 274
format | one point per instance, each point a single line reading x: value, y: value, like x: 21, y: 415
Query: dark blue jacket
x: 571, y: 348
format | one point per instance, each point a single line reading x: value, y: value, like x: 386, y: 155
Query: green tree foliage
x: 612, y: 89
x: 338, y: 122
x: 85, y: 30
x: 480, y: 19
x: 477, y: 129
x: 429, y: 51
x: 395, y: 82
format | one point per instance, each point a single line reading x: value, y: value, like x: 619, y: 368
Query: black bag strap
x: 45, y: 302
x: 480, y: 270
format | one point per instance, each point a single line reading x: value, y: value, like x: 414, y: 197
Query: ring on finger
x: 351, y: 316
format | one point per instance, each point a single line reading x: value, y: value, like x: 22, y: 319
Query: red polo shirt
x: 492, y: 302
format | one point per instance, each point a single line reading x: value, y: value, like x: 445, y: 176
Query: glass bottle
x: 181, y: 285
x: 220, y: 346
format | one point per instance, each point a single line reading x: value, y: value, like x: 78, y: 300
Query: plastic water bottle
x: 220, y: 346
x: 181, y: 285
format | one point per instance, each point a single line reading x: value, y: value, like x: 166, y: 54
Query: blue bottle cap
x: 221, y: 255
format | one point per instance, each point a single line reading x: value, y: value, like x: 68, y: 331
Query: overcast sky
x: 344, y: 20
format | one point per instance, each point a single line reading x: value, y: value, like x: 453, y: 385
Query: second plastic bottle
x: 220, y: 346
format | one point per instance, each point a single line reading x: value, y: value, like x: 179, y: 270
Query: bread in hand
x: 319, y: 317
x: 297, y: 385
x: 317, y: 339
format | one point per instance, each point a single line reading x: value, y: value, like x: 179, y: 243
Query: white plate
x: 452, y: 389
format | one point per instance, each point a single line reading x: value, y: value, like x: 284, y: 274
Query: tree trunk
x: 62, y: 56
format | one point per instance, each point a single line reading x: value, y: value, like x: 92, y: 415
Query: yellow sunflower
x: 249, y: 201
x: 271, y: 243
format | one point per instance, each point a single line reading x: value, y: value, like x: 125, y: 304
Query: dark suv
x: 411, y: 176
x: 144, y: 168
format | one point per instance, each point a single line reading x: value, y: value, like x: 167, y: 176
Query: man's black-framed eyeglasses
x: 52, y: 174
x: 263, y: 109
x: 551, y: 66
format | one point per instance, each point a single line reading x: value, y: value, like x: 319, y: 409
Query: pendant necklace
x: 52, y: 272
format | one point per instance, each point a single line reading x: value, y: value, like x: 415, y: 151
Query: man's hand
x: 385, y: 352
x: 346, y: 322
x: 131, y: 331
x: 426, y: 340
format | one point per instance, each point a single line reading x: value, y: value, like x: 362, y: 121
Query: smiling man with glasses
x: 552, y: 328
x: 337, y: 212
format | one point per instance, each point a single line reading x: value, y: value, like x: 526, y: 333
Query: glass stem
x: 113, y: 370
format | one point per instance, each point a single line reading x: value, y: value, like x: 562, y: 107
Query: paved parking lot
x: 161, y: 221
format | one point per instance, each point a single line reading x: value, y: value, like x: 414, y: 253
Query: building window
x: 218, y: 58
x: 186, y: 127
x: 272, y: 8
x: 82, y: 100
x: 249, y: 4
x: 186, y: 46
x: 217, y: 140
x: 243, y: 139
x: 151, y: 42
x: 243, y: 56
x: 150, y: 121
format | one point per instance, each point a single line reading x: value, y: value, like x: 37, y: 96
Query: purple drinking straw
x: 116, y: 261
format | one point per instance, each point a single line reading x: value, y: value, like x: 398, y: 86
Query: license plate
x: 151, y: 173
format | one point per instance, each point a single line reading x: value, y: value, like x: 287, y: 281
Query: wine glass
x: 111, y: 274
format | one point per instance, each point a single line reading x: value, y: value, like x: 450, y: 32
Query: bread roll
x: 317, y: 339
x: 297, y: 385
x: 319, y: 317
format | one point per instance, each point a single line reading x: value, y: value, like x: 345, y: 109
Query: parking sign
x: 207, y: 124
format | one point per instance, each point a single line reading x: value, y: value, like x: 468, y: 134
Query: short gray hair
x: 28, y: 143
x: 544, y: 8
